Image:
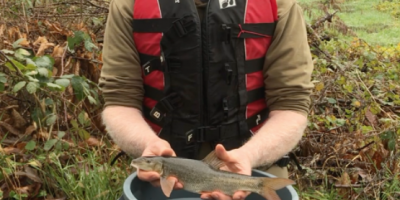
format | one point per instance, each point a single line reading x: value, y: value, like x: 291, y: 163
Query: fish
x: 203, y: 176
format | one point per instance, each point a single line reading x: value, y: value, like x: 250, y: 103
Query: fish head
x: 148, y: 163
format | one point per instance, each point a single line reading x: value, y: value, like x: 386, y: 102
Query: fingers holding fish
x: 158, y: 148
x: 221, y: 196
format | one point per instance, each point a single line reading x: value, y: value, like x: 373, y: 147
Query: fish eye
x: 148, y: 161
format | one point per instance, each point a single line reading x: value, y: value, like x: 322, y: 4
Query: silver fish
x: 205, y: 176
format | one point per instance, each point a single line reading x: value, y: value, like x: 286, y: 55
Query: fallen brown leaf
x: 25, y: 190
x: 19, y: 121
x: 10, y: 128
x: 30, y: 129
x: 2, y: 28
x: 32, y: 174
x: 92, y: 141
x: 371, y: 117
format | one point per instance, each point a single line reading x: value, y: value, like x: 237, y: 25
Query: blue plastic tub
x: 135, y: 189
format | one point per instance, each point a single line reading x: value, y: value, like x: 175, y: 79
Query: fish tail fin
x: 269, y: 185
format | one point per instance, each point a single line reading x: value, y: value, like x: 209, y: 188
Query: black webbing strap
x: 156, y: 63
x: 180, y: 28
x: 252, y: 96
x: 152, y: 25
x: 163, y: 106
x: 153, y: 93
x: 152, y: 63
x: 254, y: 65
x: 249, y: 30
x: 145, y: 58
x: 256, y: 94
x: 257, y: 119
x: 211, y: 133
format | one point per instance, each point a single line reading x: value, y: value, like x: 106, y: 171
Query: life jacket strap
x: 254, y: 65
x: 248, y: 30
x: 164, y: 106
x: 211, y: 133
x: 258, y: 118
x: 162, y: 64
x: 252, y: 96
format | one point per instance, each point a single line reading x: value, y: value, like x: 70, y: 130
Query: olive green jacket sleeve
x: 287, y: 70
x: 288, y: 66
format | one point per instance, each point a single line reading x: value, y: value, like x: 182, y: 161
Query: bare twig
x: 62, y: 60
x: 349, y: 186
x: 94, y: 5
x: 328, y: 17
x: 26, y: 23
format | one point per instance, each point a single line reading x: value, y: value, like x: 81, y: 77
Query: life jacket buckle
x: 228, y: 73
x: 225, y: 107
x: 226, y: 33
x: 204, y: 134
x: 183, y: 26
x: 283, y: 162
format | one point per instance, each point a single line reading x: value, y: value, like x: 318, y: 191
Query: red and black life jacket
x: 203, y: 81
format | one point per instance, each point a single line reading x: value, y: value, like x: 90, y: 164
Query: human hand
x: 234, y: 161
x: 158, y: 148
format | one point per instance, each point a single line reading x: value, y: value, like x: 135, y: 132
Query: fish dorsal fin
x: 212, y: 160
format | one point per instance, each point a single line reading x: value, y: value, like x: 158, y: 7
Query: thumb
x: 167, y: 152
x: 221, y: 153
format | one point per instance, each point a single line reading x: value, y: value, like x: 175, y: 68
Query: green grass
x: 362, y: 17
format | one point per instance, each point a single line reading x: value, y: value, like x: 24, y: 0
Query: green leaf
x: 52, y: 85
x: 32, y: 87
x: 51, y: 120
x: 62, y: 82
x: 79, y: 84
x: 45, y: 61
x: 49, y: 144
x: 75, y: 40
x: 30, y: 67
x: 92, y: 100
x: 6, y: 51
x: 32, y: 79
x: 43, y: 71
x: 74, y: 124
x: 386, y: 135
x: 331, y: 100
x: 21, y: 53
x: 60, y: 134
x: 30, y: 62
x: 3, y: 79
x: 19, y: 65
x: 89, y: 45
x: 31, y: 73
x: 2, y: 86
x: 83, y: 119
x: 48, y: 101
x: 16, y: 43
x: 30, y: 145
x: 19, y: 86
x: 68, y: 76
x: 84, y: 134
x: 392, y: 144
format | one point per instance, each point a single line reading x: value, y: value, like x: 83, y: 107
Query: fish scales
x: 205, y: 176
x: 200, y: 177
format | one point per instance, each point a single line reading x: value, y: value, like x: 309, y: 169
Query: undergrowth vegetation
x: 54, y: 146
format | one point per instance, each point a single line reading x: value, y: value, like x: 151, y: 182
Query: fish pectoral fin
x: 167, y: 185
x: 212, y: 160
